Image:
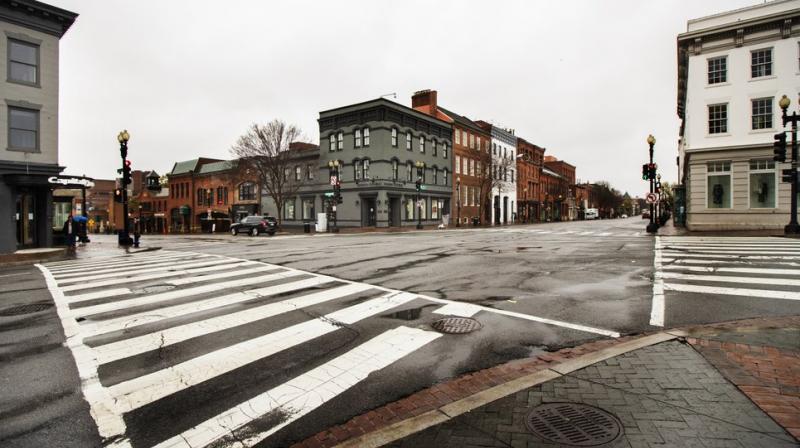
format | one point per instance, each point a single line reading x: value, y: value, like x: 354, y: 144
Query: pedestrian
x: 69, y: 231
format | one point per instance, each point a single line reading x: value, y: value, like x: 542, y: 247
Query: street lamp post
x: 651, y: 227
x: 458, y: 202
x: 792, y: 227
x: 420, y: 173
x: 659, y: 205
x: 124, y: 238
x: 334, y: 166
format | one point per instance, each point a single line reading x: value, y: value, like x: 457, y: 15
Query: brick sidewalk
x: 766, y: 375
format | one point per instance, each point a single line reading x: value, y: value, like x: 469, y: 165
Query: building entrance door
x: 26, y: 220
x: 505, y: 210
x: 368, y: 212
x: 394, y: 212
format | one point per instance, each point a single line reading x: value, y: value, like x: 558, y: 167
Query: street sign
x: 328, y: 194
x: 423, y: 187
x: 652, y: 198
x: 333, y: 180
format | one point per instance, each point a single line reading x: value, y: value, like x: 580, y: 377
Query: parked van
x: 591, y: 213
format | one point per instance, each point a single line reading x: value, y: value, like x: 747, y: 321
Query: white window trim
x: 728, y: 173
x: 775, y: 172
x: 772, y: 63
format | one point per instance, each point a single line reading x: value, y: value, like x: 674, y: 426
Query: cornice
x: 37, y: 16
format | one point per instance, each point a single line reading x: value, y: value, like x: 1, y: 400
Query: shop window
x: 288, y: 210
x: 308, y: 209
x: 762, y: 184
x: 409, y: 209
x: 718, y: 194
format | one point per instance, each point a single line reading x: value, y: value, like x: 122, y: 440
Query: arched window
x: 366, y: 136
x: 421, y: 143
x: 394, y: 137
x: 357, y: 169
x: 395, y: 169
x: 365, y: 164
x: 409, y: 172
x: 332, y: 140
x: 408, y: 140
x: 433, y: 146
x: 357, y: 138
x: 444, y: 176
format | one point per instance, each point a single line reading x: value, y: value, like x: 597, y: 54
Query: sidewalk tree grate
x: 24, y: 309
x: 456, y: 325
x: 573, y: 424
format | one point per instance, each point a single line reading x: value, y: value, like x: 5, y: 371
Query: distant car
x: 255, y: 225
x: 591, y: 213
x: 645, y: 215
x: 624, y: 216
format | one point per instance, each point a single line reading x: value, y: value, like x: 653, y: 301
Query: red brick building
x: 530, y: 160
x: 470, y: 154
x: 563, y: 196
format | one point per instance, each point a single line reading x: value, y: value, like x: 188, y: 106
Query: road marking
x: 736, y: 250
x: 101, y: 407
x: 767, y: 294
x: 157, y: 275
x: 236, y: 273
x: 306, y: 392
x: 732, y: 279
x: 180, y: 293
x: 658, y: 306
x: 586, y: 233
x: 170, y: 268
x: 744, y: 257
x: 151, y: 341
x: 460, y: 309
x: 133, y: 261
x: 604, y: 234
x: 142, y: 390
x: 677, y: 261
x: 97, y: 295
x: 710, y: 269
x: 147, y: 317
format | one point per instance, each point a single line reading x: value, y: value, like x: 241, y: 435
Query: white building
x: 733, y: 68
x: 29, y: 39
x: 504, y: 186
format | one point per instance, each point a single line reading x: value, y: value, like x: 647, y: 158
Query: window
x: 762, y: 184
x: 421, y: 144
x: 435, y: 172
x: 357, y: 134
x: 471, y: 141
x: 365, y: 163
x: 718, y: 119
x: 394, y: 137
x: 423, y: 208
x: 310, y: 169
x: 340, y: 141
x: 357, y: 169
x: 761, y: 63
x: 298, y: 173
x: 471, y: 167
x: 478, y: 168
x: 433, y: 147
x: 458, y: 136
x: 200, y: 195
x: 409, y: 172
x: 444, y: 149
x: 719, y: 185
x: 332, y: 146
x: 435, y: 208
x: 718, y: 70
x: 409, y: 209
x: 366, y: 136
x: 247, y: 191
x: 395, y: 170
x: 421, y: 174
x: 464, y: 138
x: 512, y: 175
x: 762, y: 113
x: 494, y: 148
x: 458, y: 164
x: 23, y: 62
x: 308, y: 209
x: 408, y: 141
x: 288, y: 209
x: 444, y: 176
x: 23, y: 129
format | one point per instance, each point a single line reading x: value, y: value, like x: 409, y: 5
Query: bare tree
x: 265, y: 150
x: 494, y: 174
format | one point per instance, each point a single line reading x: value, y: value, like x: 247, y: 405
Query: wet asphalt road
x: 540, y: 287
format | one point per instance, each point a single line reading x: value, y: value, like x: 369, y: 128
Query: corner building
x: 733, y: 68
x: 382, y: 148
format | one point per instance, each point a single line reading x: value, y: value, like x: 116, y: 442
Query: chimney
x: 425, y: 98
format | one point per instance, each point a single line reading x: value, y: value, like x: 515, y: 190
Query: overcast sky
x: 587, y: 80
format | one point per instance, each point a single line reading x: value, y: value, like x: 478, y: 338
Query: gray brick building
x: 382, y: 149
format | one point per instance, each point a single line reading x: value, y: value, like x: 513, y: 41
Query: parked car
x: 591, y: 213
x: 255, y: 225
x: 645, y: 215
x: 624, y: 216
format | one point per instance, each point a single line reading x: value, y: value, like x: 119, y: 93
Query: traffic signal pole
x: 651, y: 227
x: 124, y: 236
x: 793, y: 227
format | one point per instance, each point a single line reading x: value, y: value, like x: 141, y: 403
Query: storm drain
x: 456, y: 325
x: 24, y: 309
x: 573, y: 424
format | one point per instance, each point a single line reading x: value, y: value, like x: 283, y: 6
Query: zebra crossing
x: 168, y: 329
x: 578, y: 232
x: 722, y: 266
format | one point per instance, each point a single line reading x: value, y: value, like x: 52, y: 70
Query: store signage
x: 71, y: 181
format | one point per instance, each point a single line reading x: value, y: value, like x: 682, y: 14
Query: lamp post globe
x: 784, y: 102
x: 651, y: 140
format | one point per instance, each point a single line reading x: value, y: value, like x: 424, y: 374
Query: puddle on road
x: 409, y: 314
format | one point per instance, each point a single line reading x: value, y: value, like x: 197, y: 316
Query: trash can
x: 475, y: 221
x: 306, y: 227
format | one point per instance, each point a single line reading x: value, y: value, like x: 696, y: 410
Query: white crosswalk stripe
x: 219, y: 316
x: 718, y: 265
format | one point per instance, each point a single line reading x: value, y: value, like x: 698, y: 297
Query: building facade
x: 733, y: 68
x: 470, y: 195
x: 503, y: 172
x: 29, y: 44
x: 563, y: 198
x: 530, y: 158
x: 382, y: 148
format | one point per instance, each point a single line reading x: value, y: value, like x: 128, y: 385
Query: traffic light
x: 118, y: 195
x: 651, y: 171
x: 419, y: 185
x: 645, y: 172
x: 788, y: 175
x: 780, y: 147
x: 126, y: 173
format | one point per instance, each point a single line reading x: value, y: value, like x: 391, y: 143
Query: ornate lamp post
x: 652, y: 227
x: 420, y: 173
x: 334, y: 166
x: 793, y: 227
x: 124, y: 238
x: 458, y: 201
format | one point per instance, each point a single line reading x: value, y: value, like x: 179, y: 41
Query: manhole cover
x: 25, y: 309
x: 573, y: 424
x: 456, y: 325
